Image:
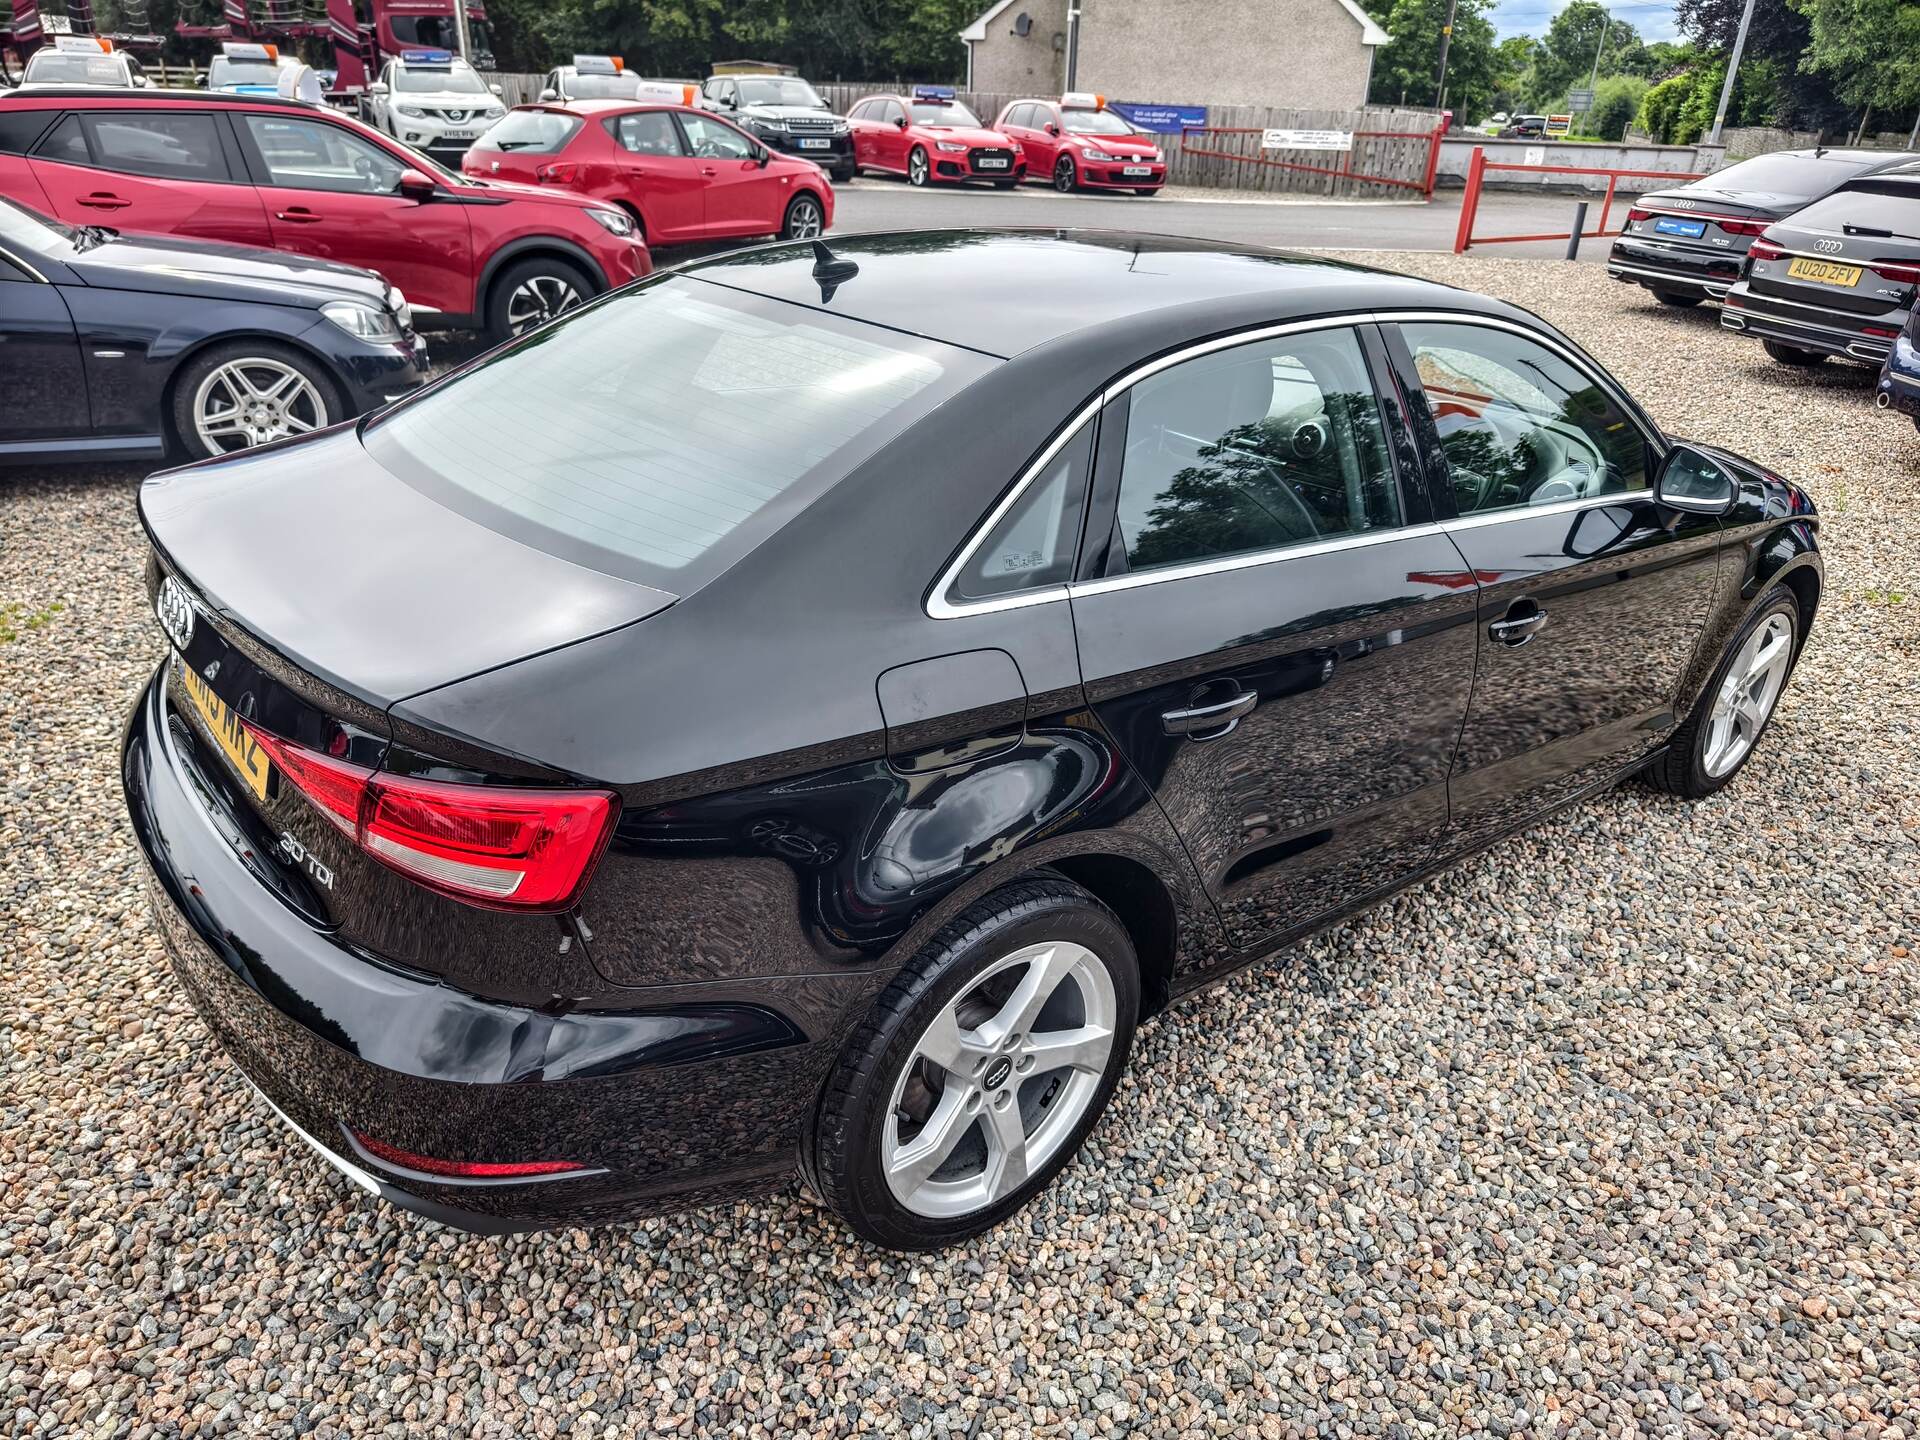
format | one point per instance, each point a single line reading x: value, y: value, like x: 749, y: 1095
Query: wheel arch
x: 534, y: 247
x: 192, y: 351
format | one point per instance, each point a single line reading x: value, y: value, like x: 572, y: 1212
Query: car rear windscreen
x: 1785, y: 174
x: 535, y: 132
x: 1889, y: 205
x: 662, y: 432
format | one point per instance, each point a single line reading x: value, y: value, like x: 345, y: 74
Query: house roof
x: 1370, y: 33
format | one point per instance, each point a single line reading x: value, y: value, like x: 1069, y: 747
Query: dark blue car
x: 1899, y: 387
x: 128, y: 347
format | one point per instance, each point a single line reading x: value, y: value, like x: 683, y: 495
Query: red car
x: 256, y: 170
x: 931, y: 136
x: 1081, y: 144
x: 682, y: 174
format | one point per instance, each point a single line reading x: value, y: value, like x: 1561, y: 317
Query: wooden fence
x: 1398, y: 148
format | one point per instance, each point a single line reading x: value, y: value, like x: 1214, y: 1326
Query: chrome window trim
x: 14, y: 259
x: 941, y: 605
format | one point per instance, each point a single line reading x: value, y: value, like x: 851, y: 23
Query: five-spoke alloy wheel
x: 1718, y: 738
x: 237, y: 396
x: 983, y: 1067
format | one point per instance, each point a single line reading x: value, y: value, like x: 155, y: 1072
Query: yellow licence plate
x: 229, y: 734
x: 1823, y: 272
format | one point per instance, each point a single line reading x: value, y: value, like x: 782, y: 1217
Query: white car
x: 83, y: 60
x: 434, y: 102
x: 606, y: 77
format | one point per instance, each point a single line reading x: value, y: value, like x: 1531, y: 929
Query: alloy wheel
x: 538, y: 299
x: 803, y: 220
x: 999, y: 1080
x: 1748, y: 694
x: 917, y: 168
x: 250, y: 401
x: 1063, y: 175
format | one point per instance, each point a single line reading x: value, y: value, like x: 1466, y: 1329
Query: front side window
x: 1033, y: 545
x: 1274, y: 443
x: 712, y: 139
x: 651, y: 132
x: 313, y: 155
x: 667, y: 428
x: 1518, y: 424
x: 172, y: 146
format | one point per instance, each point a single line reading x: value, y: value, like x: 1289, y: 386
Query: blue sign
x: 939, y: 93
x: 426, y: 57
x: 1160, y: 119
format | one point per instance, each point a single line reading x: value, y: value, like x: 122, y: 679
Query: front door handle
x: 297, y: 216
x: 1523, y: 622
x: 102, y: 200
x: 1210, y: 722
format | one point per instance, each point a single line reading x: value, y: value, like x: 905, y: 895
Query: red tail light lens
x: 1764, y: 250
x: 558, y: 172
x: 1745, y: 227
x: 462, y: 1169
x: 1901, y: 272
x: 487, y: 845
x: 1636, y: 215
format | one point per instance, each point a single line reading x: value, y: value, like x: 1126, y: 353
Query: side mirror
x: 1052, y: 129
x: 762, y: 156
x: 496, y: 89
x: 378, y: 87
x: 1692, y: 480
x: 416, y: 186
x: 547, y: 94
x: 900, y: 122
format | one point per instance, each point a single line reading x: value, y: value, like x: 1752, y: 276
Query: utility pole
x: 1073, y: 44
x: 1446, y: 41
x: 1733, y: 69
x: 1606, y: 29
x: 462, y: 33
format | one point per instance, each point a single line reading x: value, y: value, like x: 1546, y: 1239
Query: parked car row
x: 1816, y: 253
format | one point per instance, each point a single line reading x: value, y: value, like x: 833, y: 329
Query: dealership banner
x: 1161, y: 119
x: 1306, y: 140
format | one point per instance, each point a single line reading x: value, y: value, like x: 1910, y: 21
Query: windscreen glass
x: 777, y: 91
x: 951, y: 115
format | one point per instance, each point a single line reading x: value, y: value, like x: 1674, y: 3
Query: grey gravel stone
x: 1612, y: 1130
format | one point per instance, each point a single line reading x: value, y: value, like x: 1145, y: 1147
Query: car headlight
x: 768, y: 127
x: 363, y: 322
x: 617, y: 222
x: 1154, y: 157
x: 952, y: 147
x: 494, y: 112
x: 839, y: 127
x: 1100, y: 155
x: 414, y: 110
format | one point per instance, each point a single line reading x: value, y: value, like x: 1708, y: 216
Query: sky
x: 1652, y: 18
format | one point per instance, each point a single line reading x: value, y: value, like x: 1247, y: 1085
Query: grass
x: 15, y: 617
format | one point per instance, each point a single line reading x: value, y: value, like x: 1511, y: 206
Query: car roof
x: 610, y: 105
x: 1006, y: 291
x: 155, y: 93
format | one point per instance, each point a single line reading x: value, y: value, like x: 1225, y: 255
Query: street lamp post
x: 1446, y: 41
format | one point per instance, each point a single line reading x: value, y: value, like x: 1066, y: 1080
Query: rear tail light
x: 1744, y: 227
x: 1879, y: 332
x: 557, y: 172
x: 1764, y: 250
x: 462, y: 1169
x: 1636, y: 215
x: 503, y: 848
x: 1901, y: 272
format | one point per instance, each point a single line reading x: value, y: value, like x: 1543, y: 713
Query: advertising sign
x: 1160, y: 119
x: 1306, y: 140
x: 1559, y: 124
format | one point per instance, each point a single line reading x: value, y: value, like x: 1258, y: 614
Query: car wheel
x: 983, y: 1067
x: 805, y: 220
x: 233, y: 397
x: 1793, y: 355
x: 1065, y: 179
x: 918, y: 172
x: 1677, y: 300
x: 1148, y: 192
x: 1718, y: 737
x: 531, y: 293
x: 1005, y: 184
x: 844, y: 173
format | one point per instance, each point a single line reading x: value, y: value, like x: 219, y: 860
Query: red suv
x: 684, y: 174
x: 257, y: 170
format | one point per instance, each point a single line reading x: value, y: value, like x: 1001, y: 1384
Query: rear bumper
x: 1678, y: 268
x: 1899, y: 386
x: 703, y: 1094
x: 1807, y: 327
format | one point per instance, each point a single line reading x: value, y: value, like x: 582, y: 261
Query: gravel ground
x: 1614, y: 1129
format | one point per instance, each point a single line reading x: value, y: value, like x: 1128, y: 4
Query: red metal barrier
x: 1344, y: 171
x: 1464, y: 239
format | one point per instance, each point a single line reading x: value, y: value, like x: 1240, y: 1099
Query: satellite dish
x: 1023, y: 24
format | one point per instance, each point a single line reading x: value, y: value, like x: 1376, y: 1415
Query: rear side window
x: 1032, y: 547
x: 67, y: 143
x: 20, y: 128
x: 535, y: 132
x: 663, y: 431
x: 651, y: 132
x: 171, y: 146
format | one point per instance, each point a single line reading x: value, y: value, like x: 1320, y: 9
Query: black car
x: 805, y: 709
x: 1899, y: 386
x: 1838, y: 278
x: 786, y: 113
x: 123, y: 346
x: 1687, y: 244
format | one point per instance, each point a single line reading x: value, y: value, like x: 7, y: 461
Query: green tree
x: 1775, y: 89
x: 1513, y: 71
x: 1660, y: 108
x: 1567, y: 52
x: 1868, y: 49
x: 1405, y: 69
x: 1616, y: 100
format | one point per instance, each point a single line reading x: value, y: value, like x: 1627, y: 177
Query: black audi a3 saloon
x: 803, y: 711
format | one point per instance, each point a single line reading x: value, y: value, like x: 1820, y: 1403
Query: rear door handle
x: 102, y: 200
x: 298, y: 216
x: 1210, y: 722
x: 1518, y: 629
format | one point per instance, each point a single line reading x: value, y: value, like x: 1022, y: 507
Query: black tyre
x: 805, y: 219
x: 1677, y: 300
x: 1793, y: 355
x: 1005, y: 184
x: 1147, y: 191
x: 919, y: 172
x: 250, y: 392
x: 529, y: 293
x: 1066, y: 179
x: 1734, y: 710
x: 981, y: 1070
x: 844, y: 173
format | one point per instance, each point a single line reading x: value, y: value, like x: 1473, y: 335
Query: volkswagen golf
x: 804, y: 711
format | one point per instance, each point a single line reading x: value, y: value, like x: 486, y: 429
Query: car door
x: 661, y: 177
x: 1040, y: 143
x: 168, y: 172
x: 1276, y: 634
x: 332, y: 193
x: 1592, y: 597
x: 41, y: 374
x: 740, y: 196
x: 862, y: 122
